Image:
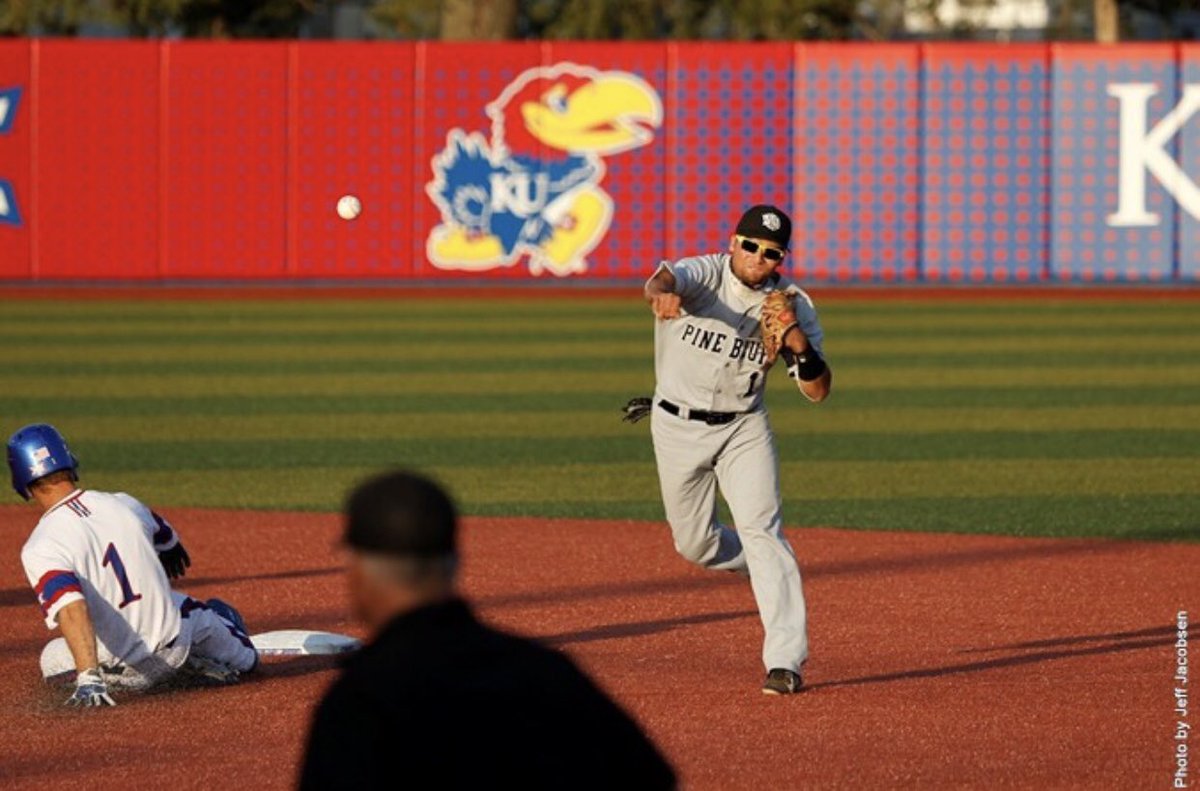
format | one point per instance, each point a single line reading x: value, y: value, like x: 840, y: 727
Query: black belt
x: 711, y: 418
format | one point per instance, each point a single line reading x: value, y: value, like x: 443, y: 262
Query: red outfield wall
x: 941, y: 163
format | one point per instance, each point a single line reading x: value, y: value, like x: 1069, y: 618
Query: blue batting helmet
x: 34, y: 452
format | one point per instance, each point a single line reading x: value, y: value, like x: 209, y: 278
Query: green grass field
x: 1030, y: 416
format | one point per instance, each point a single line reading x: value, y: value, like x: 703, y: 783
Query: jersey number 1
x: 113, y: 558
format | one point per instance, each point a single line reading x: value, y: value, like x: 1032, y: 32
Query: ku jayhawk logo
x: 8, y: 111
x: 533, y: 188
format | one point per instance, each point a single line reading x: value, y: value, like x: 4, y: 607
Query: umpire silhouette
x: 435, y: 699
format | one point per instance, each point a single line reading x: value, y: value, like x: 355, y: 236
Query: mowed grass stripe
x: 270, y: 385
x: 502, y: 329
x: 586, y: 361
x: 410, y: 309
x: 518, y: 324
x: 480, y: 332
x: 365, y: 321
x: 847, y: 310
x: 1146, y: 401
x: 1150, y: 517
x: 323, y: 488
x: 449, y: 362
x: 1050, y: 376
x: 619, y: 380
x: 379, y: 347
x: 848, y: 481
x: 1009, y: 311
x: 595, y: 354
x: 1067, y: 449
x: 318, y: 354
x: 1034, y: 425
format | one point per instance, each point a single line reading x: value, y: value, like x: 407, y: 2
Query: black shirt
x: 438, y: 700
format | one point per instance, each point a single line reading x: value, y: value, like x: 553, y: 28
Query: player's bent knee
x: 699, y: 551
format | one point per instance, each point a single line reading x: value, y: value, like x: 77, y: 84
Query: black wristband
x: 805, y: 366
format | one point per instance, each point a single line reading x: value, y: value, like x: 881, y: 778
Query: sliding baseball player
x: 100, y: 564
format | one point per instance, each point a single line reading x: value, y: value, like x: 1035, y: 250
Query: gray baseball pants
x: 693, y: 460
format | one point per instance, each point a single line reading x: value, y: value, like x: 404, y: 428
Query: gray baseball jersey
x: 711, y: 358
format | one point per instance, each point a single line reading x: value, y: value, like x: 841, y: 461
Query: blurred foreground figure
x: 438, y: 700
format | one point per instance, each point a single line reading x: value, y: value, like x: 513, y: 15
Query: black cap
x: 401, y: 513
x: 766, y: 222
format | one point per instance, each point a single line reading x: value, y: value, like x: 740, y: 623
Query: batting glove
x: 90, y: 690
x: 175, y: 560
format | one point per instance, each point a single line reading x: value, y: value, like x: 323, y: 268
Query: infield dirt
x: 938, y: 660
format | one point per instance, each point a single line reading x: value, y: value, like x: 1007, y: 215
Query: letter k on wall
x: 1144, y: 150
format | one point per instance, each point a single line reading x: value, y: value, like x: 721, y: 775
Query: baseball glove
x: 175, y: 561
x: 636, y: 409
x: 778, y: 317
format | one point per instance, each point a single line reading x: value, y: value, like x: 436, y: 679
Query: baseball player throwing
x: 99, y: 564
x: 722, y: 320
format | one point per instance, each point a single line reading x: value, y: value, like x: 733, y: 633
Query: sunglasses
x: 770, y: 253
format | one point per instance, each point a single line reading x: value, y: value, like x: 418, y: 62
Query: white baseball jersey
x: 102, y: 548
x: 712, y: 357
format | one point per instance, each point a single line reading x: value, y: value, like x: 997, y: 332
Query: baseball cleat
x: 209, y: 672
x: 782, y: 682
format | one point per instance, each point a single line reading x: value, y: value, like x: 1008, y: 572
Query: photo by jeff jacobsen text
x: 1183, y: 726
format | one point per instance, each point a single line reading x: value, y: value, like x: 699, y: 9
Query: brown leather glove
x: 777, y: 318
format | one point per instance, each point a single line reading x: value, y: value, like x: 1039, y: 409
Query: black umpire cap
x: 401, y: 513
x: 766, y: 222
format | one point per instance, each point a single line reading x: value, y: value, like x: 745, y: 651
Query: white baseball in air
x: 348, y: 207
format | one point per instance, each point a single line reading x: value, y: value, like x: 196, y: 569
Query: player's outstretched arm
x: 660, y: 293
x: 76, y: 625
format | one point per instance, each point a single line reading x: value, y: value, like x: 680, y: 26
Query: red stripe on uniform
x: 54, y: 585
x: 73, y: 503
x: 48, y: 576
x: 78, y: 507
